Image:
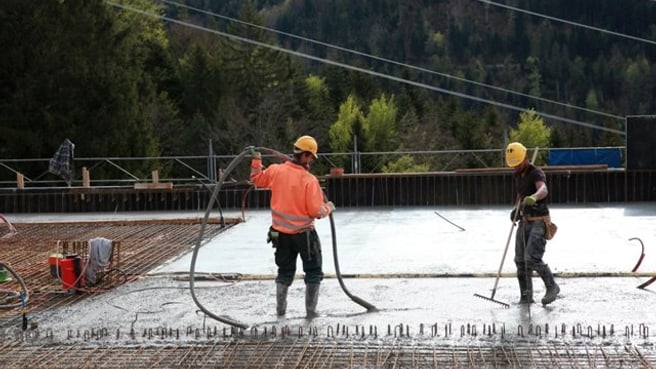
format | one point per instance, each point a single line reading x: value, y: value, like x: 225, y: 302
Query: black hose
x: 223, y: 224
x: 370, y: 308
x: 194, y: 254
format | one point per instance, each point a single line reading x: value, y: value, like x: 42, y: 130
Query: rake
x: 503, y: 258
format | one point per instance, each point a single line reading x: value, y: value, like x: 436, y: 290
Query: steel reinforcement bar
x: 302, y: 353
x: 436, y: 332
x: 144, y: 245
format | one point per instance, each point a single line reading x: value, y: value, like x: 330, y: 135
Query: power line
x: 362, y: 70
x: 351, y: 51
x: 569, y: 22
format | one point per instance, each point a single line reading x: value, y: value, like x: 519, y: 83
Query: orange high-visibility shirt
x: 296, y: 196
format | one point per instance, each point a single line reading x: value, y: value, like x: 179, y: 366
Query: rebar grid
x: 301, y: 353
x: 438, y: 332
x: 144, y: 245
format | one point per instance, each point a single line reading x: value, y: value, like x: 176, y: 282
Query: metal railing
x: 181, y: 170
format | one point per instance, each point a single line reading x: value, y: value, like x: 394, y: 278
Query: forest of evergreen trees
x: 136, y: 78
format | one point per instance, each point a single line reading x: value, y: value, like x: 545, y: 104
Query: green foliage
x: 316, y: 87
x: 379, y: 125
x: 534, y: 76
x: 317, y: 108
x: 379, y: 129
x: 591, y: 100
x: 82, y: 70
x: 607, y: 139
x: 634, y: 77
x: 404, y: 164
x: 201, y: 82
x: 343, y: 129
x: 118, y: 83
x: 264, y: 86
x: 532, y: 132
x: 146, y: 30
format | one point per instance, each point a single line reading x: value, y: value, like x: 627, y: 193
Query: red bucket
x: 54, y: 261
x: 70, y: 269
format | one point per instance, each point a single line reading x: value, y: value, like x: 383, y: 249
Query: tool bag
x: 550, y: 228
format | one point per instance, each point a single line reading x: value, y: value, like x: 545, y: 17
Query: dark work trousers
x: 529, y: 248
x: 289, y: 247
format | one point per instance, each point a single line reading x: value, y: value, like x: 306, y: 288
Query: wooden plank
x: 153, y: 186
x: 545, y: 168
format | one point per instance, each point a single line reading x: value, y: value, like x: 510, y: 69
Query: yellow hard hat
x: 306, y: 143
x: 515, y: 154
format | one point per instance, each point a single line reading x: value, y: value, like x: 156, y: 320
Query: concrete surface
x: 387, y: 249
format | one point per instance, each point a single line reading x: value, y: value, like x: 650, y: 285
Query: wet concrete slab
x: 155, y: 302
x: 395, y: 241
x: 411, y: 264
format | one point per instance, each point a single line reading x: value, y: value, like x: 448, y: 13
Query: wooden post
x: 86, y: 181
x: 20, y: 181
x: 155, y: 184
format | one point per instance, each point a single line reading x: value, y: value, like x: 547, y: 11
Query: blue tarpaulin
x: 609, y: 156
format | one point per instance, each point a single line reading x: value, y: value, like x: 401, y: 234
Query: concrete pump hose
x: 370, y: 308
x: 199, y: 241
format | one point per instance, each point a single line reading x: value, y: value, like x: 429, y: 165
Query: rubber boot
x: 311, y: 299
x: 281, y: 298
x: 552, y: 288
x: 526, y: 289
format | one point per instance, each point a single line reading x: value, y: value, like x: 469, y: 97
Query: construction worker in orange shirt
x: 296, y: 201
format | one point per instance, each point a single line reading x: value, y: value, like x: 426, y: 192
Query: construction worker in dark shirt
x: 296, y: 201
x: 533, y: 215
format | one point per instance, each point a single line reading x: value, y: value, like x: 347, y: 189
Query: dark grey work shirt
x: 525, y: 185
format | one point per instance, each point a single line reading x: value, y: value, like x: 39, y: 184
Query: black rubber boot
x: 281, y: 298
x: 551, y: 294
x: 550, y: 284
x: 311, y: 299
x: 525, y: 288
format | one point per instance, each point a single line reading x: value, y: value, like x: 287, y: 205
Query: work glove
x: 513, y: 215
x: 331, y: 206
x: 529, y: 200
x: 254, y: 154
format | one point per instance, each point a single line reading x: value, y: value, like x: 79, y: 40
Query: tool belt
x: 550, y: 228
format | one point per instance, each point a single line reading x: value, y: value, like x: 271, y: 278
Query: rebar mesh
x: 301, y: 353
x: 144, y: 245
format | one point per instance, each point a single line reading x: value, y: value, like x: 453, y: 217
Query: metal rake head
x: 493, y: 300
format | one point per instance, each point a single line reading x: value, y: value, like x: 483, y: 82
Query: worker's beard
x: 304, y: 164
